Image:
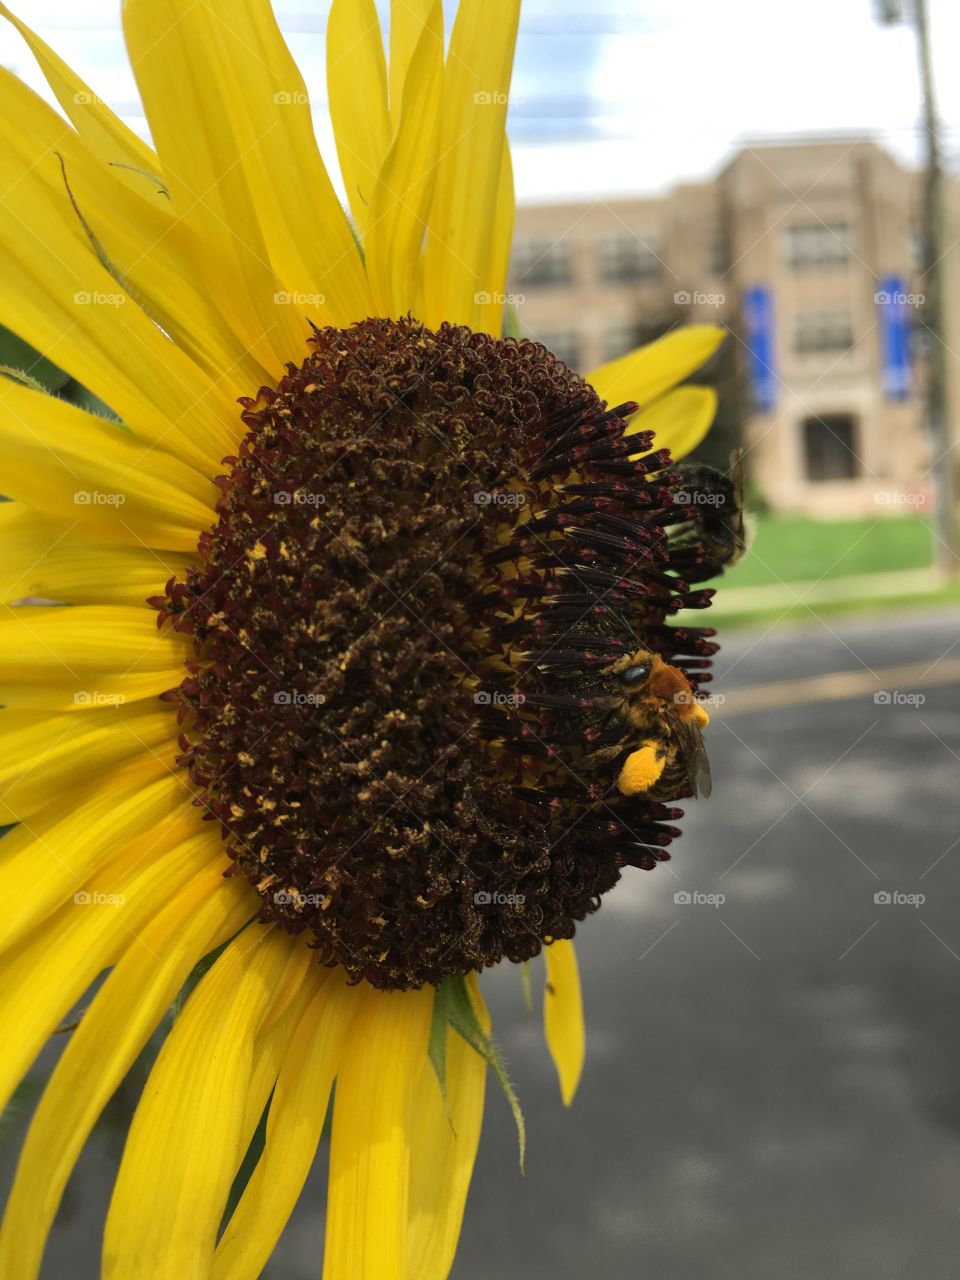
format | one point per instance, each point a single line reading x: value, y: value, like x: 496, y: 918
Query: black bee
x: 655, y: 701
x: 716, y: 516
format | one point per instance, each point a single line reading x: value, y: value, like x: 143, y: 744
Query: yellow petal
x: 40, y: 756
x: 368, y: 1196
x: 104, y: 132
x: 407, y: 20
x: 59, y: 298
x: 192, y: 99
x: 648, y: 372
x: 185, y: 1142
x: 494, y: 282
x: 357, y: 89
x: 476, y: 85
x: 404, y: 188
x: 39, y: 557
x: 85, y: 657
x: 112, y: 1032
x: 301, y: 980
x: 41, y: 980
x: 151, y: 251
x: 563, y: 1015
x: 80, y: 470
x: 679, y: 419
x: 142, y: 807
x: 305, y: 230
x: 294, y: 1126
x: 443, y: 1152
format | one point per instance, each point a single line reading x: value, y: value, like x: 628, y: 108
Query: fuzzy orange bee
x: 657, y: 701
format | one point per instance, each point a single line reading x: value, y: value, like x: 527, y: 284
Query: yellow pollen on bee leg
x: 641, y: 770
x: 700, y: 716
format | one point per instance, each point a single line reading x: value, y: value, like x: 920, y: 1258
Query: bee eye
x: 635, y: 674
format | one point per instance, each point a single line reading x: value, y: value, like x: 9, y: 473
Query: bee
x: 717, y: 522
x: 655, y: 701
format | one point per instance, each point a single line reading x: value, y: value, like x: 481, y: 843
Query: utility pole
x: 934, y: 287
x: 891, y: 12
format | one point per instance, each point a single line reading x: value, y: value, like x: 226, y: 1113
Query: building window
x: 817, y: 244
x: 917, y: 247
x: 541, y: 264
x: 718, y: 255
x: 564, y: 343
x: 818, y: 333
x: 830, y: 447
x: 619, y: 340
x: 627, y: 260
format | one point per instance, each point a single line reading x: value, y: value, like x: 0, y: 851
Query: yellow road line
x: 841, y: 684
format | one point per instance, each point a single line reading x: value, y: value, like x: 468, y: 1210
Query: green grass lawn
x: 795, y: 549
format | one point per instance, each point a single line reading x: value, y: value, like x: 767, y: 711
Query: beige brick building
x: 834, y: 423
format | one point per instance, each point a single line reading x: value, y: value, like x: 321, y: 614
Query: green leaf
x: 459, y: 1011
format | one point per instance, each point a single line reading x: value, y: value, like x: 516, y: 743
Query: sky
x: 623, y: 97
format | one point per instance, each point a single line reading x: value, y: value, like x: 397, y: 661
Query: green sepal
x: 453, y: 1006
x: 162, y: 188
x: 510, y: 326
x: 527, y: 985
x: 197, y: 972
x: 20, y: 362
x: 247, y: 1166
x: 25, y: 380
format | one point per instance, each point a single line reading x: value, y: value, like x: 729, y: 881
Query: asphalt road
x: 772, y: 1088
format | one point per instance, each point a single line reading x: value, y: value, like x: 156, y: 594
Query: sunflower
x: 312, y: 722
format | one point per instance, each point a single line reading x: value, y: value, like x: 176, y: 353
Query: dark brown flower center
x: 429, y: 547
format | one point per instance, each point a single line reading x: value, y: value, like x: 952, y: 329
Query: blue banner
x: 761, y: 351
x: 893, y: 316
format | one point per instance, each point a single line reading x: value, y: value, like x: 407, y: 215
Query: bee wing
x: 694, y: 755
